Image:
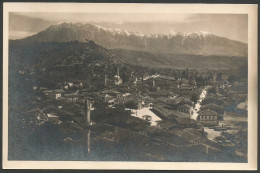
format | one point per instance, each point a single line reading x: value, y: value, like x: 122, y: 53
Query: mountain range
x: 197, y: 43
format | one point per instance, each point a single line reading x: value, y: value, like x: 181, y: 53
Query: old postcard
x: 129, y: 86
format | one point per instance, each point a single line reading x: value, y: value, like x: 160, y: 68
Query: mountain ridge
x: 198, y: 43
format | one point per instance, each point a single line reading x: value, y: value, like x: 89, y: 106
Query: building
x: 54, y: 94
x: 213, y: 107
x: 119, y: 100
x: 70, y: 94
x: 184, y: 100
x: 172, y: 95
x: 163, y: 100
x: 186, y: 89
x: 185, y: 108
x: 139, y: 105
x: 208, y: 117
x: 166, y: 77
x: 183, y: 119
x: 210, y: 99
x: 117, y: 78
x: 70, y: 84
x: 57, y: 96
x: 53, y: 118
x: 158, y: 94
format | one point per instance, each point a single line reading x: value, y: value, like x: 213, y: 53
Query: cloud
x: 111, y: 17
x: 19, y: 34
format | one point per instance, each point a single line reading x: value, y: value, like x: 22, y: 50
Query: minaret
x: 88, y: 106
x: 153, y: 83
x: 105, y: 79
x: 88, y: 141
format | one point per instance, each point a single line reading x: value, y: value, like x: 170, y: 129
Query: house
x: 110, y: 92
x: 185, y: 108
x: 108, y: 97
x: 172, y: 95
x: 158, y: 94
x: 213, y: 107
x: 52, y: 114
x: 55, y: 94
x: 182, y: 118
x: 69, y: 94
x: 184, y: 100
x: 162, y: 100
x: 70, y: 84
x: 208, y: 117
x: 43, y: 88
x: 166, y: 77
x: 186, y: 89
x: 211, y: 99
x: 113, y: 97
x: 120, y: 100
x: 139, y: 104
x: 72, y: 98
x: 53, y: 117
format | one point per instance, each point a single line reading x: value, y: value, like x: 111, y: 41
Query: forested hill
x: 59, y: 54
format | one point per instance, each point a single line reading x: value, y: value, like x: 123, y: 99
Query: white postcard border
x: 251, y: 10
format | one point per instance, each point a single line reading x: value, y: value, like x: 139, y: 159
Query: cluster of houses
x: 178, y: 96
x: 211, y: 111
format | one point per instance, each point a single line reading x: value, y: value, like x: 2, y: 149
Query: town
x: 124, y: 112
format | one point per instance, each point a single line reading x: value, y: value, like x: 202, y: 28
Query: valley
x: 74, y: 95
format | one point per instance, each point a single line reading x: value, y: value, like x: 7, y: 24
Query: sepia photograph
x: 131, y: 84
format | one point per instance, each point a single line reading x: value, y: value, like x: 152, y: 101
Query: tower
x: 88, y: 106
x: 105, y: 79
x: 153, y: 83
x: 118, y: 71
x: 88, y: 141
x: 140, y: 106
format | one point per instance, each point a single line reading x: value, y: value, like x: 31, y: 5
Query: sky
x: 232, y: 26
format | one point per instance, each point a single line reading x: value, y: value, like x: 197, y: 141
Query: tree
x: 131, y: 104
x: 232, y: 78
x: 200, y: 81
x: 219, y: 77
x: 212, y: 90
x: 194, y: 97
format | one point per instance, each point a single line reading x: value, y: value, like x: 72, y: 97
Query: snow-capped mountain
x: 198, y: 43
